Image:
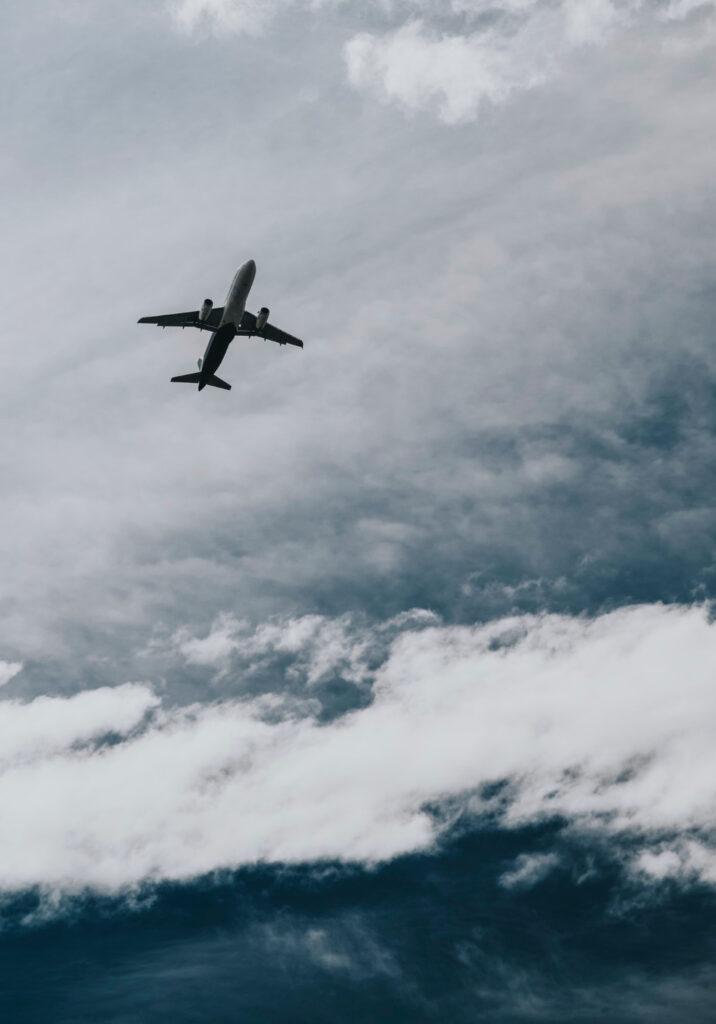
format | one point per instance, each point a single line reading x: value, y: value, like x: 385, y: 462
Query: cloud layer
x: 454, y: 57
x: 248, y: 17
x: 505, y: 400
x: 488, y: 51
x: 608, y: 724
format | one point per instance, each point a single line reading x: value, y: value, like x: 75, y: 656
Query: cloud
x: 318, y: 646
x: 214, y: 649
x: 415, y: 68
x: 8, y: 670
x: 50, y: 725
x: 419, y: 65
x: 685, y: 860
x: 222, y: 16
x: 343, y: 947
x: 528, y: 870
x: 428, y: 435
x: 455, y: 57
x: 494, y: 50
x: 227, y: 17
x: 607, y: 723
x: 509, y: 353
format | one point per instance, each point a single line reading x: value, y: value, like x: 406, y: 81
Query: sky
x: 382, y: 687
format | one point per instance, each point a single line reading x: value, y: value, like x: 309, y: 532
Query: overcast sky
x: 419, y: 612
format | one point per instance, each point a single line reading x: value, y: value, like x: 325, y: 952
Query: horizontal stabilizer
x: 217, y: 382
x: 187, y: 378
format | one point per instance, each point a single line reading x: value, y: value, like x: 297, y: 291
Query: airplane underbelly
x: 233, y: 312
x: 238, y: 294
x: 216, y: 349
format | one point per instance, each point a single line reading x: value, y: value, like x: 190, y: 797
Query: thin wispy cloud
x: 227, y: 17
x: 318, y: 646
x: 529, y: 870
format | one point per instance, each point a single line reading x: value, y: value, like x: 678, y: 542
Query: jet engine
x: 262, y: 318
x: 206, y: 309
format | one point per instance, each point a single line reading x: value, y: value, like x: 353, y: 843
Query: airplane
x: 225, y: 323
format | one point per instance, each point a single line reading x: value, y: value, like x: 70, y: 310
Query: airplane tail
x: 187, y: 378
x: 217, y: 382
x: 195, y: 378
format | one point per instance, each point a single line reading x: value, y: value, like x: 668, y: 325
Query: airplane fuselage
x: 230, y: 322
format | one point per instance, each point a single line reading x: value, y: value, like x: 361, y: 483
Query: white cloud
x: 48, y: 725
x: 8, y: 670
x: 589, y: 21
x: 609, y: 723
x: 684, y: 861
x: 415, y: 68
x: 216, y: 647
x: 420, y: 65
x: 320, y: 646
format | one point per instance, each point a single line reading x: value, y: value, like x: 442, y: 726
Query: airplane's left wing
x: 268, y: 331
x: 190, y: 319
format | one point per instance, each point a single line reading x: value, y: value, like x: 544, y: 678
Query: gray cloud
x: 540, y: 411
x: 454, y: 57
x: 486, y: 52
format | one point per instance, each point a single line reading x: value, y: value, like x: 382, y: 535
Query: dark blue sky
x: 382, y: 687
x: 418, y: 939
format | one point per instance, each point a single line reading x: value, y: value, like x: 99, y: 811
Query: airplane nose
x: 251, y: 266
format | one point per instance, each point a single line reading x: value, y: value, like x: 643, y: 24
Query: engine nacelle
x: 206, y: 309
x: 262, y: 318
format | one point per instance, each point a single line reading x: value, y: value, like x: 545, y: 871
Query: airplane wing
x: 268, y: 332
x: 190, y: 319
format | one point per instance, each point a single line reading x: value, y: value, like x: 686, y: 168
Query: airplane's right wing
x: 190, y: 319
x: 268, y: 331
x: 271, y: 333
